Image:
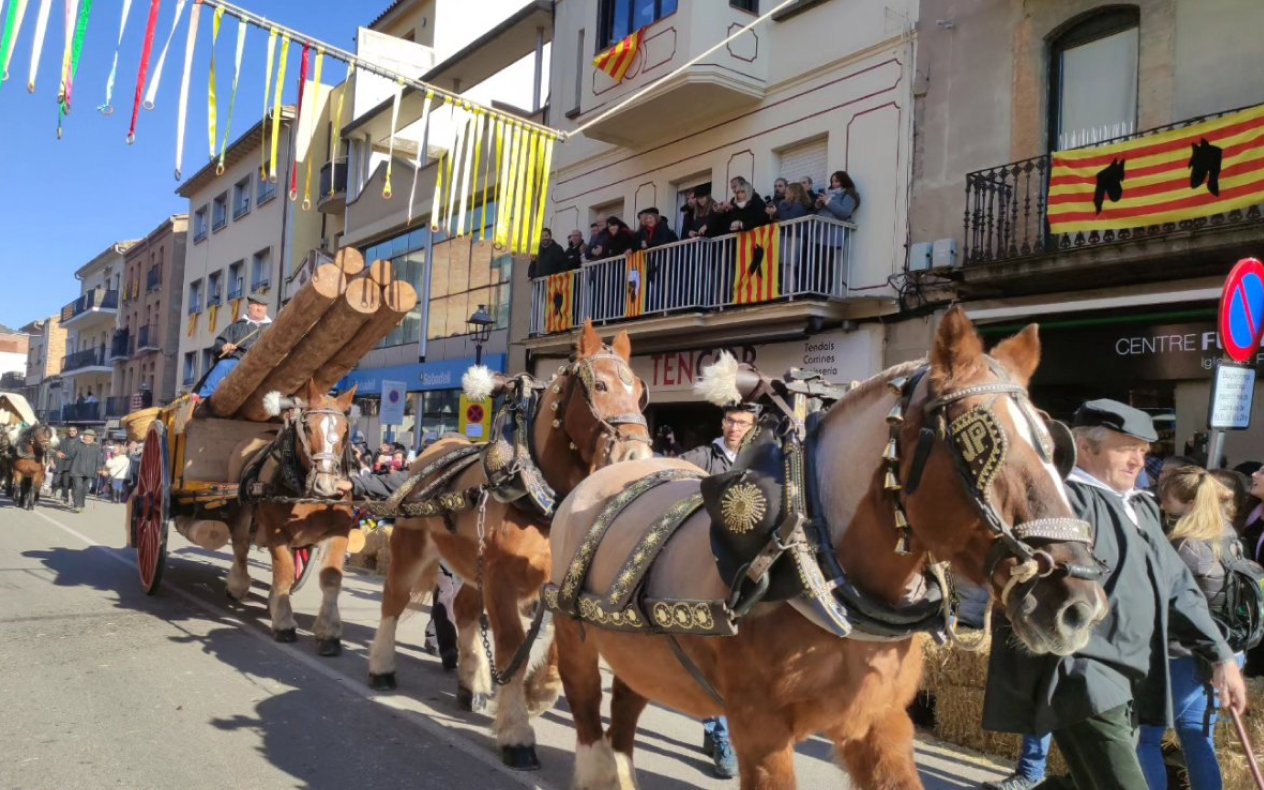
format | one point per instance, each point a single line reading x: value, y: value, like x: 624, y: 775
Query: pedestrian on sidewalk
x: 117, y: 468
x: 84, y: 462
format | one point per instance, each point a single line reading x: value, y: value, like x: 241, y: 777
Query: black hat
x: 256, y: 300
x: 650, y: 210
x: 702, y: 190
x: 1118, y: 417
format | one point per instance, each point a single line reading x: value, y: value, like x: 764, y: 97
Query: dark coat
x: 753, y: 215
x: 709, y: 457
x: 374, y: 486
x: 661, y: 235
x: 1152, y: 597
x: 86, y: 459
x: 619, y: 243
x: 550, y: 260
x: 239, y: 334
x: 575, y: 254
x: 66, y: 448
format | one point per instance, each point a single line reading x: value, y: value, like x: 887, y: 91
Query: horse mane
x: 876, y: 381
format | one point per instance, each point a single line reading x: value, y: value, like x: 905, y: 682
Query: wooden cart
x: 184, y: 475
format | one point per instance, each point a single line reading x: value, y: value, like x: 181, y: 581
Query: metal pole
x: 423, y: 346
x: 539, y: 70
x: 478, y: 354
x: 1215, y: 448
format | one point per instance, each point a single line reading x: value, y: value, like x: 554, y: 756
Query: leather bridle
x: 608, y: 427
x: 338, y: 461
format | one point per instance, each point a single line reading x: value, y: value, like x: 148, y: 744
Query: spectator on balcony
x: 809, y: 187
x: 91, y: 400
x: 550, y: 259
x: 687, y: 210
x: 576, y: 250
x: 746, y: 210
x: 778, y: 192
x: 621, y: 239
x: 841, y: 200
x: 653, y: 231
x: 598, y: 239
x: 708, y: 219
x: 233, y: 343
x: 795, y: 204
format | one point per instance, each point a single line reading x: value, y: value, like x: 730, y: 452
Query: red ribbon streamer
x: 145, y: 53
x: 298, y: 118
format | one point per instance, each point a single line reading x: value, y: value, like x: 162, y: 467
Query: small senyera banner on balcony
x: 758, y: 274
x: 618, y: 59
x: 559, y: 312
x: 1207, y: 168
x: 634, y: 306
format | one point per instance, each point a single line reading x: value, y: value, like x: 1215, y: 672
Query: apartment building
x: 1125, y: 312
x: 46, y: 347
x: 818, y: 88
x: 145, y: 347
x: 90, y: 321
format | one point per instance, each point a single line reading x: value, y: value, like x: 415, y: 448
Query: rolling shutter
x: 805, y: 159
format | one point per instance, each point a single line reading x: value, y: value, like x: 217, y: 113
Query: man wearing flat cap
x: 1093, y: 701
x: 85, y: 460
x: 233, y: 343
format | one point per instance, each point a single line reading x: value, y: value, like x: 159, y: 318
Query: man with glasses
x: 715, y: 458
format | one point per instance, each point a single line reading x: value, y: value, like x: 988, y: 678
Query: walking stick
x: 222, y: 355
x: 1250, y: 750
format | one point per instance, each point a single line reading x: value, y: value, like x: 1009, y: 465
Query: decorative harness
x: 27, y: 447
x: 284, y: 450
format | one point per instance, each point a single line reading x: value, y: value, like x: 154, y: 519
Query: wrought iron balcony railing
x: 121, y: 345
x: 118, y: 406
x: 147, y: 338
x: 96, y: 300
x: 81, y: 412
x: 153, y: 279
x: 333, y: 180
x: 1006, y: 215
x: 87, y: 358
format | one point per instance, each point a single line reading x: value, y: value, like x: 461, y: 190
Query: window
x: 214, y: 290
x: 406, y: 253
x: 581, y: 71
x: 208, y: 359
x: 804, y: 159
x: 241, y: 198
x: 219, y: 212
x: 746, y: 5
x: 195, y: 297
x: 463, y: 276
x: 621, y: 18
x: 190, y: 368
x: 236, y: 285
x: 261, y: 270
x: 264, y: 191
x: 1093, y: 80
x: 199, y: 225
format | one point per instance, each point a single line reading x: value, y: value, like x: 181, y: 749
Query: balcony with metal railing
x: 12, y: 380
x: 88, y: 360
x: 98, y: 303
x: 333, y: 186
x: 81, y: 413
x: 812, y: 261
x: 1007, y: 230
x: 120, y: 346
x: 153, y: 279
x: 118, y: 406
x: 147, y: 339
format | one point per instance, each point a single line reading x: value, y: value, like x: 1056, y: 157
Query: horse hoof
x: 285, y: 635
x: 450, y: 659
x: 382, y: 682
x: 329, y: 647
x: 520, y: 758
x: 468, y: 700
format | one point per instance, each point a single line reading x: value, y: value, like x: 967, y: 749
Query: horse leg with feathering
x: 486, y: 514
x: 307, y: 459
x: 942, y: 459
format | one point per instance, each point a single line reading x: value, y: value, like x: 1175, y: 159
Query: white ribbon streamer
x: 387, y: 191
x: 162, y: 58
x: 183, y: 109
x: 458, y: 145
x: 41, y: 28
x: 107, y: 108
x: 472, y: 125
x: 422, y: 145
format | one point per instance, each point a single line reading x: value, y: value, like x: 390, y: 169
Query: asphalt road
x: 102, y: 686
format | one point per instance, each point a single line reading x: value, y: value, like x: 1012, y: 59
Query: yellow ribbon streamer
x: 212, y: 101
x: 311, y: 145
x: 453, y: 184
x: 505, y: 186
x: 336, y: 147
x: 546, y: 166
x: 492, y: 141
x: 276, y: 107
x: 520, y: 182
x: 528, y: 194
x: 479, y: 120
x: 264, y: 164
x: 436, y: 202
x: 465, y: 206
x: 390, y: 148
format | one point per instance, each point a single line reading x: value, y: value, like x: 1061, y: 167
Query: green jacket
x: 1152, y: 597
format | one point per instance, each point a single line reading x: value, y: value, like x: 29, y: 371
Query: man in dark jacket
x: 86, y: 459
x: 1092, y: 701
x: 61, y: 468
x: 233, y: 343
x: 576, y: 250
x: 551, y: 259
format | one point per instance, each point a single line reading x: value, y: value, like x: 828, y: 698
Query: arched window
x: 1093, y: 78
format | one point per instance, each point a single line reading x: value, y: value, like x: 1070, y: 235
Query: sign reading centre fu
x: 1131, y: 352
x: 421, y: 377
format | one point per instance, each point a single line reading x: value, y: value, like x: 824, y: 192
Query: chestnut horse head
x: 973, y: 475
x: 322, y: 440
x: 36, y: 441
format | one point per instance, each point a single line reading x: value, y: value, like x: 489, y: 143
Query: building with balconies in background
x: 1127, y: 310
x: 90, y: 322
x: 45, y: 349
x: 145, y: 348
x: 817, y: 88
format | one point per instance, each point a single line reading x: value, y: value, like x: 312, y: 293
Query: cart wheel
x: 305, y: 559
x: 150, y: 508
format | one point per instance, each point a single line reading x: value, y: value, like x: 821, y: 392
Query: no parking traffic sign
x: 1242, y: 310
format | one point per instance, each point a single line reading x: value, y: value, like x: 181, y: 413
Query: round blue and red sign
x: 393, y: 396
x: 1242, y: 310
x: 474, y: 413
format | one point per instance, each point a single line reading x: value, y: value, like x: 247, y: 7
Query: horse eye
x: 601, y: 386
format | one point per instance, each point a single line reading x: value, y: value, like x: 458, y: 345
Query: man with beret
x: 1093, y: 701
x: 85, y: 460
x: 233, y: 343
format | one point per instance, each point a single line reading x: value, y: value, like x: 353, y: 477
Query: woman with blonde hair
x: 1200, y: 511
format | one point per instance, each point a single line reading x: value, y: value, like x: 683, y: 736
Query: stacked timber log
x: 336, y: 318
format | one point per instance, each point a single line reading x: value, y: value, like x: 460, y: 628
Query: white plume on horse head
x: 718, y: 383
x: 14, y: 432
x: 53, y: 439
x: 478, y: 383
x: 272, y: 404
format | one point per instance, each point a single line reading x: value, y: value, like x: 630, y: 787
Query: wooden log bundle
x: 308, y: 306
x: 398, y: 300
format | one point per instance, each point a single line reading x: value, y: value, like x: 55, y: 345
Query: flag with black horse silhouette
x: 559, y: 307
x: 1211, y: 167
x: 757, y: 277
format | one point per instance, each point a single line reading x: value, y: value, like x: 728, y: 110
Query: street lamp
x: 480, y: 329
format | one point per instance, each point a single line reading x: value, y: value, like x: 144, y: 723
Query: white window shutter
x: 805, y: 159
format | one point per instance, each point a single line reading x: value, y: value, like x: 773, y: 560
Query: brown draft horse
x: 25, y: 464
x: 782, y: 678
x: 588, y: 417
x: 311, y: 457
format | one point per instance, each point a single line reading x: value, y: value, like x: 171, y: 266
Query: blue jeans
x: 1031, y: 763
x: 218, y: 373
x: 1194, y: 706
x: 717, y: 728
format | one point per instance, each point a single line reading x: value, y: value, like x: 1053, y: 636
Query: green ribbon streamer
x: 6, y: 39
x: 76, y: 49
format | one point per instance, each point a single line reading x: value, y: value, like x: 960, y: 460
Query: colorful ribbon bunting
x: 212, y: 99
x: 70, y: 12
x: 107, y: 108
x: 298, y: 120
x: 311, y: 143
x: 81, y: 29
x: 37, y: 47
x: 182, y: 110
x: 152, y: 94
x: 146, y: 51
x: 232, y: 98
x: 276, y: 108
x: 12, y: 26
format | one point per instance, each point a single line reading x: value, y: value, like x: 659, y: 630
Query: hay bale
x: 947, y: 665
x: 958, y: 720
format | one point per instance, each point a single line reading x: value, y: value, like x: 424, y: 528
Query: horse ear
x: 347, y: 398
x: 589, y: 340
x: 313, y: 394
x: 956, y: 344
x: 1020, y: 353
x: 623, y: 346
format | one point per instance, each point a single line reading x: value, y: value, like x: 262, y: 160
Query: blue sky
x: 66, y: 200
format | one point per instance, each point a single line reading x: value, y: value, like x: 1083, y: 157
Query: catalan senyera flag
x: 559, y: 309
x: 618, y: 59
x: 634, y: 299
x: 758, y: 274
x: 1208, y: 168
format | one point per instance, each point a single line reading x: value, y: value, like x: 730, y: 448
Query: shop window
x: 440, y: 413
x: 1093, y: 80
x: 466, y: 274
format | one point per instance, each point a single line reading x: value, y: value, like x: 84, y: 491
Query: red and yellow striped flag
x: 618, y: 59
x: 634, y: 301
x: 1208, y: 168
x: 559, y: 310
x: 758, y: 274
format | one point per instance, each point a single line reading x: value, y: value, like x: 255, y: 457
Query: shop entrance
x: 694, y: 424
